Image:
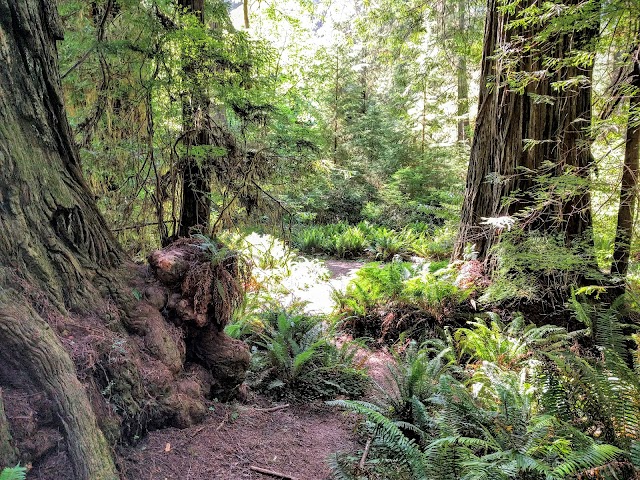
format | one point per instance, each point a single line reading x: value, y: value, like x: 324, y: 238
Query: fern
x: 14, y: 473
x: 389, y: 434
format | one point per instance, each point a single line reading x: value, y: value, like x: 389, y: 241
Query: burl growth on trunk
x: 199, y: 284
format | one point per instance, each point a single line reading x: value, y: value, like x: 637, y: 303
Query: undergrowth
x: 295, y: 355
x: 381, y: 243
x: 510, y: 400
x: 386, y: 299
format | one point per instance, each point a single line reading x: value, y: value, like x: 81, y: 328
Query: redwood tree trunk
x: 58, y: 335
x: 52, y: 239
x: 631, y: 168
x: 196, y: 175
x: 553, y: 122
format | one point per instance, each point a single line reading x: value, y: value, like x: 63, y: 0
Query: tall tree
x: 58, y: 262
x: 462, y: 78
x: 531, y: 151
x: 196, y: 173
x: 52, y: 236
x: 631, y: 169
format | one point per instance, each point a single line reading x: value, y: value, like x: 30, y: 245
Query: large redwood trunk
x: 88, y: 360
x: 52, y: 238
x: 524, y: 136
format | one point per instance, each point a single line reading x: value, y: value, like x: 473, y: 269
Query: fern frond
x: 14, y: 473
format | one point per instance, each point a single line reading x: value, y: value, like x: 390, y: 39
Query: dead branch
x: 272, y: 473
x: 272, y: 409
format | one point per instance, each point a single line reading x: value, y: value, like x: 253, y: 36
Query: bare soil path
x: 319, y: 297
x: 296, y: 441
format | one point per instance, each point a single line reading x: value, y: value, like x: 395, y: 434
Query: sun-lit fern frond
x: 13, y: 473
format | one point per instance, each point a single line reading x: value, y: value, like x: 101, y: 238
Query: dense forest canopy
x: 165, y: 165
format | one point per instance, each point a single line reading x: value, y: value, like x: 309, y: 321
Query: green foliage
x: 538, y: 266
x: 485, y: 403
x: 387, y: 244
x: 276, y: 271
x: 350, y: 243
x: 380, y: 243
x: 437, y: 245
x: 295, y: 355
x: 507, y: 345
x: 398, y: 285
x: 14, y: 473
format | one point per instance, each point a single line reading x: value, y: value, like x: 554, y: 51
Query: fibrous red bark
x: 529, y: 133
x: 75, y: 329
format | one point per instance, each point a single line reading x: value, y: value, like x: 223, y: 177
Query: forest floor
x: 295, y: 441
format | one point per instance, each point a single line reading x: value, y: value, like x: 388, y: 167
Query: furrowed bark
x: 524, y: 136
x: 28, y: 343
x: 629, y: 186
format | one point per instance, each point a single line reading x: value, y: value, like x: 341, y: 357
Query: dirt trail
x: 295, y: 441
x: 319, y: 297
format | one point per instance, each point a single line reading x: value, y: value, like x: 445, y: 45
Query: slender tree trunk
x: 630, y: 170
x: 463, y: 81
x: 423, y: 140
x: 335, y: 108
x: 556, y: 131
x: 245, y: 11
x: 196, y: 175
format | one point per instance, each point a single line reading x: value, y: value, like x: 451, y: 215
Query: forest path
x: 319, y: 298
x: 296, y: 440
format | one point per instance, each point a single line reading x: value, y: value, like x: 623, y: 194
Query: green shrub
x: 537, y: 266
x: 483, y: 412
x: 386, y: 244
x: 310, y: 240
x: 376, y: 284
x: 401, y: 284
x: 295, y: 355
x: 437, y: 245
x: 350, y: 243
x: 432, y: 294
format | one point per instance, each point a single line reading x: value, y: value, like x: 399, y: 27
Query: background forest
x: 480, y: 160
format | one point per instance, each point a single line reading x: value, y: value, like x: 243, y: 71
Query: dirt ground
x: 295, y: 441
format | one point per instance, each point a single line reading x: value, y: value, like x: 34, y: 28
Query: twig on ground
x: 272, y: 409
x: 364, y: 455
x: 272, y: 473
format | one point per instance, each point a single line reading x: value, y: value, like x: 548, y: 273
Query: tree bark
x: 28, y: 343
x: 196, y: 175
x: 58, y: 261
x: 630, y: 170
x: 8, y: 453
x: 554, y: 122
x: 52, y: 240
